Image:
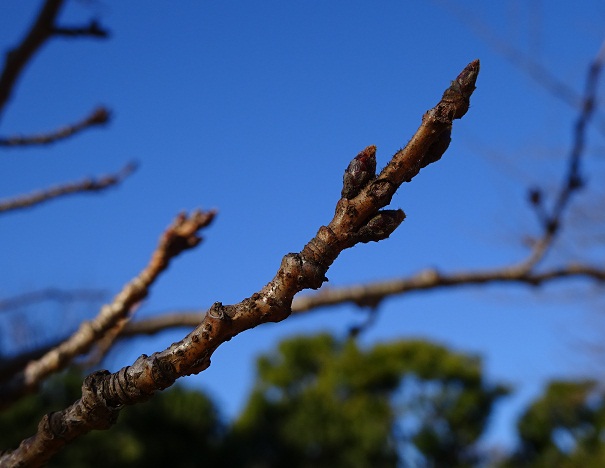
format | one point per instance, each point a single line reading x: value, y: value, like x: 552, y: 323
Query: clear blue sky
x: 256, y: 108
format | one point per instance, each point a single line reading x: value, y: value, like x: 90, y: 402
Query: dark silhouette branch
x: 94, y: 29
x: 42, y: 29
x: 51, y: 294
x: 17, y: 58
x: 358, y: 218
x: 99, y: 116
x: 573, y: 182
x: 86, y: 185
x: 180, y: 236
x: 524, y: 62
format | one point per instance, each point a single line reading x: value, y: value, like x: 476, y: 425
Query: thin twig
x: 42, y: 29
x: 86, y: 185
x: 13, y: 364
x: 358, y: 218
x: 153, y: 325
x: 16, y: 59
x: 99, y: 116
x: 180, y: 236
x: 524, y: 62
x: 51, y: 294
x: 94, y: 29
x: 574, y: 180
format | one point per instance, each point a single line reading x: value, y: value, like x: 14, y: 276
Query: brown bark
x: 87, y: 185
x: 182, y: 235
x: 358, y: 219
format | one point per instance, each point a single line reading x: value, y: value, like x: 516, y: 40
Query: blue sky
x: 256, y: 108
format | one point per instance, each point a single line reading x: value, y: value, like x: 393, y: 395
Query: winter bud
x: 361, y: 170
x: 381, y: 226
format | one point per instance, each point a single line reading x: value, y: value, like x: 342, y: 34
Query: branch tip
x: 99, y: 116
x: 459, y: 93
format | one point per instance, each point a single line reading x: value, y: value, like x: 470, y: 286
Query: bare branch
x: 94, y: 29
x: 51, y: 294
x: 99, y: 116
x: 86, y: 185
x: 573, y: 181
x: 13, y: 363
x: 557, y: 88
x: 42, y: 29
x: 180, y: 236
x: 372, y: 294
x: 153, y: 325
x: 17, y: 58
x: 357, y: 219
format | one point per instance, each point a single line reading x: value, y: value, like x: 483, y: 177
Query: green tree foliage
x: 175, y: 428
x: 317, y: 401
x: 565, y: 427
x: 323, y: 402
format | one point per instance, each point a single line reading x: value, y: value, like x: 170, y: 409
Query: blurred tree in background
x: 317, y: 400
x: 323, y: 402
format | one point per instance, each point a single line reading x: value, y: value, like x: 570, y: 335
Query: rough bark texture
x: 356, y: 219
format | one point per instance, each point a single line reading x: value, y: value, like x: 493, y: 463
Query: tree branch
x: 358, y: 218
x: 86, y: 185
x: 94, y: 29
x: 539, y: 73
x: 153, y: 325
x: 180, y: 236
x: 51, y: 294
x: 17, y: 58
x: 573, y: 180
x: 99, y: 116
x: 42, y: 29
x: 372, y: 294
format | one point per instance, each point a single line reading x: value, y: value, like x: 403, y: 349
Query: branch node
x: 218, y: 312
x: 382, y: 191
x: 163, y: 373
x: 313, y: 275
x: 102, y: 414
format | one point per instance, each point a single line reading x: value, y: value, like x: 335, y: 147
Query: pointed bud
x: 361, y: 170
x: 459, y: 93
x: 381, y: 226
